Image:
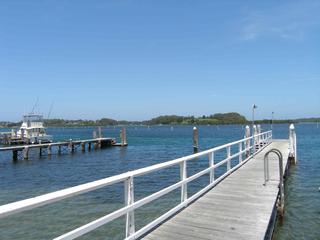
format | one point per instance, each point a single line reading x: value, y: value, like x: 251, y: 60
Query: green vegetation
x: 80, y: 122
x: 218, y: 118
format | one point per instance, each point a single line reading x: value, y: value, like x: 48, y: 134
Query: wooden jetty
x: 240, y: 207
x: 22, y: 151
x: 242, y: 203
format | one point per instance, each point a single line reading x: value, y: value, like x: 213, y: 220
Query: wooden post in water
x: 247, y: 135
x: 49, y: 149
x: 254, y: 138
x: 14, y: 155
x: 59, y: 149
x: 26, y: 153
x: 89, y: 146
x: 71, y: 146
x: 100, y: 134
x: 40, y: 151
x: 123, y: 137
x: 195, y: 140
x: 83, y: 146
x: 259, y: 137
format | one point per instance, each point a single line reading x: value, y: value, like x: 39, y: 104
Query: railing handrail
x: 31, y: 203
x: 267, y: 177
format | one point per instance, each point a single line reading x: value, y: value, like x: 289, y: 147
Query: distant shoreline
x: 196, y: 121
x: 215, y: 119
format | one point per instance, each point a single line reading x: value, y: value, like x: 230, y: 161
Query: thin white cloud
x: 294, y: 20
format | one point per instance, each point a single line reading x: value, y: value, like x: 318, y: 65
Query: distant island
x: 215, y: 119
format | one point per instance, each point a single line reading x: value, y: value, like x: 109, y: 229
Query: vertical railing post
x: 240, y: 152
x: 211, y: 165
x: 129, y: 199
x: 183, y: 176
x: 229, y: 160
x: 247, y: 135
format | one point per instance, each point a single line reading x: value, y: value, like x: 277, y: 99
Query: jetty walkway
x: 240, y: 207
x: 242, y: 203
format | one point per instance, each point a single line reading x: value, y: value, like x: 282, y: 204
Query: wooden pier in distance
x: 48, y: 147
x: 71, y: 145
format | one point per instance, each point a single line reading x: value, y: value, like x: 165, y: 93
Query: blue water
x: 147, y: 146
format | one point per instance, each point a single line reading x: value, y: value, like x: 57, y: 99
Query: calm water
x: 36, y: 176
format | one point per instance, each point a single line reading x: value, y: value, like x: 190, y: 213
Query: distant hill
x: 218, y: 118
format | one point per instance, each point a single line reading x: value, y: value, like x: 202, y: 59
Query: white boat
x: 32, y: 130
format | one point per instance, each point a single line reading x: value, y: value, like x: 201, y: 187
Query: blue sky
x: 138, y: 59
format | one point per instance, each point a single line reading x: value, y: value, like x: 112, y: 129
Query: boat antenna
x: 50, y: 109
x: 35, y: 105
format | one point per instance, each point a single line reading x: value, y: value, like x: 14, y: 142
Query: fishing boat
x: 32, y: 130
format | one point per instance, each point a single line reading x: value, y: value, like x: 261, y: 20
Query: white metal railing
x: 246, y: 148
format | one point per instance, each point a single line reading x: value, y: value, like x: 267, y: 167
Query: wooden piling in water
x: 123, y: 137
x: 49, y: 149
x: 14, y: 155
x: 99, y: 131
x: 26, y: 153
x: 259, y: 131
x: 71, y: 146
x: 195, y: 140
x: 255, y: 138
x: 247, y: 135
x: 83, y: 146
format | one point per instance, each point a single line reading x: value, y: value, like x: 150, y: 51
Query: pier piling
x: 99, y: 131
x: 195, y: 140
x: 123, y: 137
x: 247, y: 135
x: 49, y: 149
x: 15, y: 155
x: 26, y: 153
x: 255, y: 138
x: 59, y: 149
x: 83, y: 146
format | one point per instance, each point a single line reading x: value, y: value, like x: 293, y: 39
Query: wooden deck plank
x: 240, y: 207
